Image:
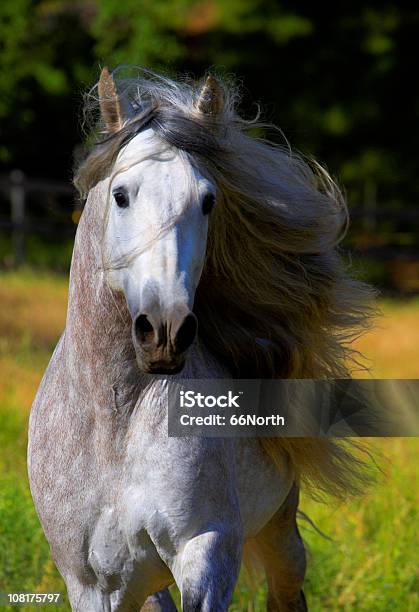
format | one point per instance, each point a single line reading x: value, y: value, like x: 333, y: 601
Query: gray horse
x: 188, y: 219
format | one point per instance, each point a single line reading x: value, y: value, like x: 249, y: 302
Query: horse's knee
x: 209, y: 567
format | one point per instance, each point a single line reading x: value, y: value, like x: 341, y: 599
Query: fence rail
x: 17, y: 177
x: 32, y: 227
x: 17, y: 190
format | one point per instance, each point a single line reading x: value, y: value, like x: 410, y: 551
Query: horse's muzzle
x: 161, y: 344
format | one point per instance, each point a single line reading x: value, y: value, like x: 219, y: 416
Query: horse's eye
x: 121, y: 199
x: 208, y: 203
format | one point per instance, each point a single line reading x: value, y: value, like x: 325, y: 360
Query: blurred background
x: 340, y: 80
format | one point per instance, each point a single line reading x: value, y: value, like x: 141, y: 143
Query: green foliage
x: 40, y: 252
x: 24, y: 552
x: 250, y: 16
x: 14, y: 27
x: 26, y: 53
x: 139, y: 33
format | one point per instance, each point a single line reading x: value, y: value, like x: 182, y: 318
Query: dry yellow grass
x: 32, y: 316
x: 392, y: 347
x: 32, y: 308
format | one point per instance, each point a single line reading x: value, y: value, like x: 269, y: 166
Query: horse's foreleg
x: 281, y: 550
x: 159, y: 602
x: 207, y: 569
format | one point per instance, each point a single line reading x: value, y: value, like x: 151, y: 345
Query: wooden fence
x: 16, y: 218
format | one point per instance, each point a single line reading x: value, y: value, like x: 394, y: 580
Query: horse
x: 204, y: 251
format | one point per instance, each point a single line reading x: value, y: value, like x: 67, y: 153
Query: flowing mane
x: 275, y: 298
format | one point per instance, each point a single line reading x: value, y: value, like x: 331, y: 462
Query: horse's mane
x: 275, y: 298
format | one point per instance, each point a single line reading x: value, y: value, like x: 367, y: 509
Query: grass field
x: 371, y: 563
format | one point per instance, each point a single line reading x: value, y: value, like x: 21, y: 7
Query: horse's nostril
x: 144, y: 331
x: 186, y: 333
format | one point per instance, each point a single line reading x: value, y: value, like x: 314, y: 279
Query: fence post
x: 17, y: 204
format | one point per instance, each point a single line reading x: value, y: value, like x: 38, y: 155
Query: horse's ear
x: 110, y: 103
x: 211, y: 97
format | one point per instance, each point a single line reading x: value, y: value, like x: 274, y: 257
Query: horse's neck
x: 99, y: 355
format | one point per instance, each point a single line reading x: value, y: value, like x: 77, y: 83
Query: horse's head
x: 155, y: 240
x: 157, y: 227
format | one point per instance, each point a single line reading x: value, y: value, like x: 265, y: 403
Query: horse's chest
x: 168, y: 492
x: 121, y: 548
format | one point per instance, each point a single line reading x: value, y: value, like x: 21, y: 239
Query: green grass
x: 25, y: 563
x: 371, y: 564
